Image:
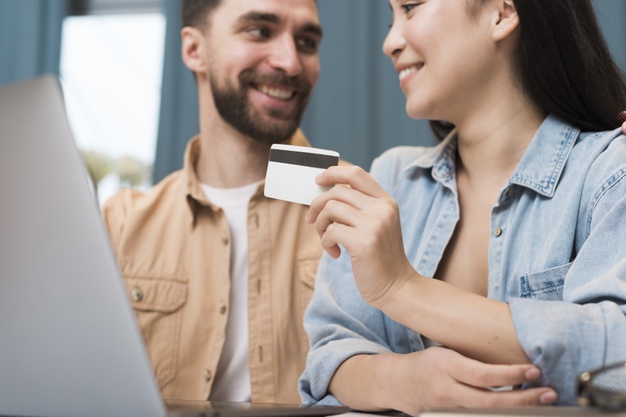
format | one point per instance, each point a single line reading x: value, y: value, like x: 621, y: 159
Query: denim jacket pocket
x: 544, y: 285
x: 157, y: 304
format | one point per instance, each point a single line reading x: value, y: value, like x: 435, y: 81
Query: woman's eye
x: 409, y: 6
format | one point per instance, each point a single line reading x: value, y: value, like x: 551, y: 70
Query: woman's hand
x: 434, y: 377
x: 359, y: 215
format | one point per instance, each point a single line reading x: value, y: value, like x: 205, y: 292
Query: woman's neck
x: 493, y: 138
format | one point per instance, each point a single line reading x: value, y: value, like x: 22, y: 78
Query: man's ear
x: 193, y: 43
x: 507, y: 19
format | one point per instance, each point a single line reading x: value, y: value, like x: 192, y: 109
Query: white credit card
x: 291, y: 172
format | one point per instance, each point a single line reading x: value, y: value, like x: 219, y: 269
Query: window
x: 111, y: 68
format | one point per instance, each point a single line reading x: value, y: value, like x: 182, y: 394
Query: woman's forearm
x: 473, y: 325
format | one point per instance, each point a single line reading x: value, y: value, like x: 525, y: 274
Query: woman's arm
x: 435, y: 377
x: 358, y: 214
x: 363, y: 359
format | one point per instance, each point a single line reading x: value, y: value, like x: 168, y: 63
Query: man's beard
x: 233, y: 105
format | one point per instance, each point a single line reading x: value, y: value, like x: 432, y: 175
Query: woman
x: 518, y: 215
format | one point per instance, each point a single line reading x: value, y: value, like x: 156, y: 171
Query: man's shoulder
x: 127, y: 200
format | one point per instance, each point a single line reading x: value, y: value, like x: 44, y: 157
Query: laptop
x: 69, y: 342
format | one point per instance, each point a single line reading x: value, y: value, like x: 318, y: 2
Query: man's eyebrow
x: 313, y: 28
x: 256, y: 17
x: 252, y: 17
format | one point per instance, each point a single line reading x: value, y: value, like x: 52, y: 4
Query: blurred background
x: 132, y: 104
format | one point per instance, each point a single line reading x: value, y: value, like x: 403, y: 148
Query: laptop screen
x: 69, y: 344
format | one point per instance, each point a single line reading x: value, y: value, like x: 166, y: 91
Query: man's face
x: 263, y: 63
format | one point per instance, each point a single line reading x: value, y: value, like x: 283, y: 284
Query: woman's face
x: 444, y: 56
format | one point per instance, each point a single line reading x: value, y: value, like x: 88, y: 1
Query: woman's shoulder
x: 607, y: 150
x: 605, y: 155
x: 400, y: 166
x: 402, y: 157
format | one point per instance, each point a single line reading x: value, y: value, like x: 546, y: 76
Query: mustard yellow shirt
x: 173, y: 249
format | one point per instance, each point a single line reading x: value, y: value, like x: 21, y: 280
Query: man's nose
x: 285, y: 57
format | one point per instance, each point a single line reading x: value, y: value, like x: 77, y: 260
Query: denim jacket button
x: 497, y: 232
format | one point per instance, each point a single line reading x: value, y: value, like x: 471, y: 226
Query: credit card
x: 292, y: 170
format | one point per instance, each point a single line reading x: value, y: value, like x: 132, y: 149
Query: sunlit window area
x: 111, y: 70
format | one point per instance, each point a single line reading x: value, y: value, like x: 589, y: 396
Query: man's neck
x: 229, y: 159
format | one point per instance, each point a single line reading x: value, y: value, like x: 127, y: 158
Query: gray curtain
x: 179, y: 100
x: 612, y: 18
x: 30, y: 38
x: 357, y: 107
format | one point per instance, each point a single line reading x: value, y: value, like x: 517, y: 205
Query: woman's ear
x: 507, y: 19
x: 192, y: 45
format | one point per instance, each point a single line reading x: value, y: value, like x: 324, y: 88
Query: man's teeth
x: 276, y: 92
x: 407, y: 71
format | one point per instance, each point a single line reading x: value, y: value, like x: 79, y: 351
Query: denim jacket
x: 557, y: 256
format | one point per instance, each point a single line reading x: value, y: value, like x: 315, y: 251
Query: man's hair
x: 195, y: 13
x: 565, y: 65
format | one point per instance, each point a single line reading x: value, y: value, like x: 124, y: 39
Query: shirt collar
x: 542, y: 164
x: 539, y: 169
x: 193, y: 192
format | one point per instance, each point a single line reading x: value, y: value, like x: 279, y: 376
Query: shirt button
x: 208, y: 375
x: 497, y: 232
x: 222, y: 309
x: 136, y: 294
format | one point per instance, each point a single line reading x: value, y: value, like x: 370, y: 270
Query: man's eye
x: 307, y: 44
x: 260, y: 32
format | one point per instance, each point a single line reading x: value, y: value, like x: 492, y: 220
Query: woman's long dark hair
x: 565, y: 65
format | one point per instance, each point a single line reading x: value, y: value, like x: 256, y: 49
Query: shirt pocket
x: 544, y: 285
x: 158, y: 308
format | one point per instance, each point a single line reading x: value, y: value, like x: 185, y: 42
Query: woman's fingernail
x: 532, y: 374
x: 547, y: 398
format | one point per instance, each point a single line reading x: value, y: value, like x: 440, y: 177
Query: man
x: 219, y: 275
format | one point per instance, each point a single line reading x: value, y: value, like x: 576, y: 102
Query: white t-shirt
x: 232, y: 378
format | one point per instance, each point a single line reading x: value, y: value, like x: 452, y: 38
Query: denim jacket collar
x: 544, y: 160
x: 539, y: 169
x: 441, y: 158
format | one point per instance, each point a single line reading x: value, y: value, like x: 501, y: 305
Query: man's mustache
x: 296, y: 83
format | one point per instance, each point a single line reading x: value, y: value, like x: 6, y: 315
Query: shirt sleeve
x: 587, y: 329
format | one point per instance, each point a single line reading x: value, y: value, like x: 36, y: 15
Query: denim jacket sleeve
x: 340, y: 324
x: 590, y: 321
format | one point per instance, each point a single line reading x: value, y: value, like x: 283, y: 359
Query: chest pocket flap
x: 165, y: 296
x: 544, y: 285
